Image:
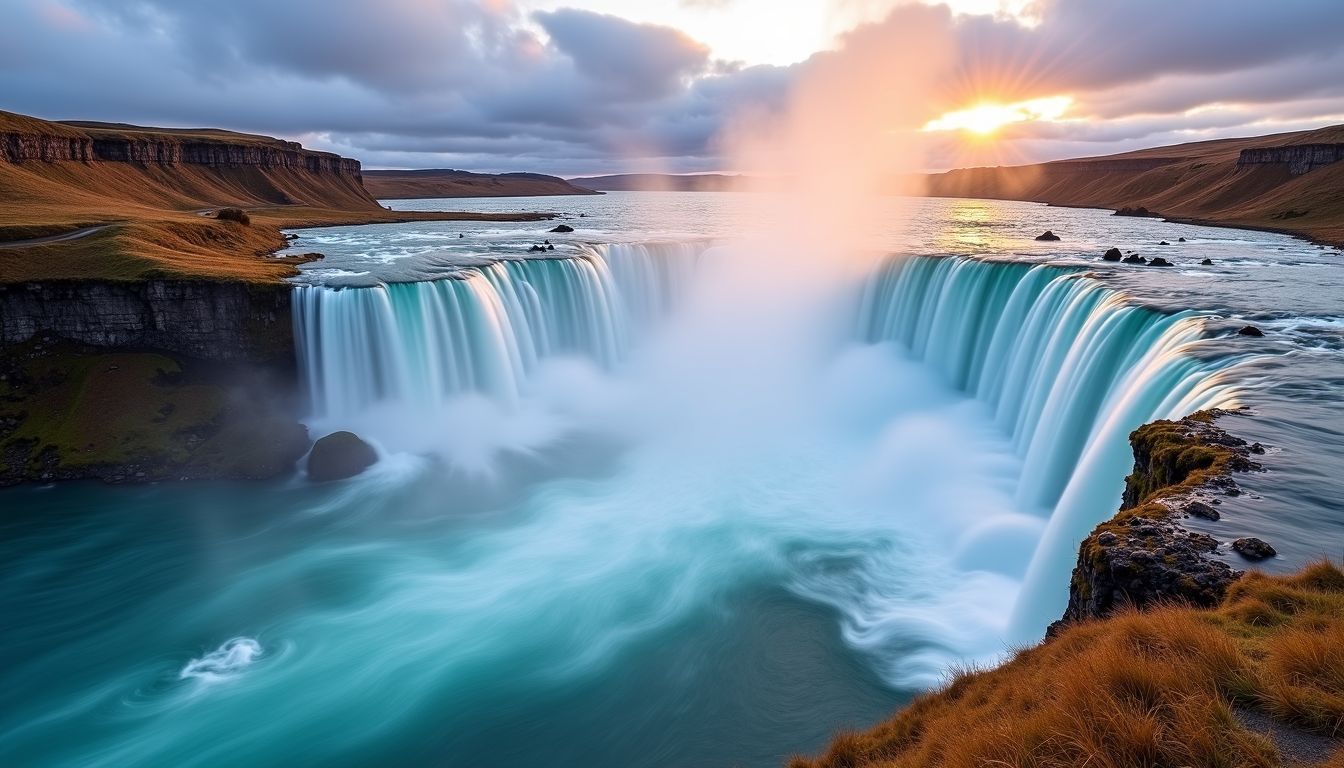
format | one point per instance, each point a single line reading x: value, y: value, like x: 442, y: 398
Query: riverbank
x: 1291, y: 183
x: 1167, y: 653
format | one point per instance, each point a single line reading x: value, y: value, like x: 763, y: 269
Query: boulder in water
x: 1134, y: 258
x: 563, y: 228
x: 1139, y: 211
x: 1180, y: 239
x: 1158, y: 261
x: 1047, y: 235
x: 1163, y: 242
x: 1252, y: 548
x: 1200, y: 509
x: 1112, y: 254
x: 1207, y: 262
x: 1251, y: 330
x: 338, y: 456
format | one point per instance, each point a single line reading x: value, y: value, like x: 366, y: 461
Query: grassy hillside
x: 153, y: 202
x: 1257, y: 681
x: 1201, y: 181
x: 393, y: 185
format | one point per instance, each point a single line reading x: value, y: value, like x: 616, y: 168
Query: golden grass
x: 154, y: 211
x: 1156, y: 688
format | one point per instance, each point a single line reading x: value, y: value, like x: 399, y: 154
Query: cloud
x: 491, y: 86
x: 633, y: 60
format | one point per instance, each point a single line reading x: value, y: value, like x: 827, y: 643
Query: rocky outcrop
x: 149, y: 381
x: 199, y: 319
x: 163, y: 149
x: 338, y: 456
x: 1299, y: 158
x: 1144, y: 555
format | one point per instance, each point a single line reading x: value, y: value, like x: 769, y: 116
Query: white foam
x: 224, y: 663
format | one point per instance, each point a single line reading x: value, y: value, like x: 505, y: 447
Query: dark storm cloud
x: 485, y: 85
x: 634, y: 60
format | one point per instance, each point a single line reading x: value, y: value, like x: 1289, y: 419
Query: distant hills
x: 446, y: 182
x: 1291, y: 182
x: 661, y: 182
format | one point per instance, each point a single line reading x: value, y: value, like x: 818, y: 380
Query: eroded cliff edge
x: 1143, y: 555
x: 146, y: 381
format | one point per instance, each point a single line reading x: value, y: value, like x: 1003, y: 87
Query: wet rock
x: 1112, y: 254
x: 1158, y: 261
x: 1250, y: 330
x: 1135, y: 259
x: 1144, y: 556
x: 1200, y: 509
x: 563, y: 228
x: 338, y: 456
x: 1138, y: 211
x: 1163, y: 242
x: 1207, y: 262
x: 1253, y: 549
x: 1180, y: 239
x: 1047, y: 235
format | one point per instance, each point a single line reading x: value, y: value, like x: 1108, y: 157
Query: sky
x: 582, y: 87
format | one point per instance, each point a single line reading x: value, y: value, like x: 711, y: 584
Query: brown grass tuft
x: 1137, y: 689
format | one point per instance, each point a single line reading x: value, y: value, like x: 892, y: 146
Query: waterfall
x: 1068, y: 367
x: 482, y: 330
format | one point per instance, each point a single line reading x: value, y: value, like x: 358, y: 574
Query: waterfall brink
x: 1068, y: 368
x: 483, y: 330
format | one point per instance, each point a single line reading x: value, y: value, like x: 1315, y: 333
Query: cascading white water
x: 483, y: 330
x: 1069, y: 367
x: 1066, y: 366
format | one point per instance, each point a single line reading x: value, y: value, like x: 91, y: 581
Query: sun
x: 987, y: 117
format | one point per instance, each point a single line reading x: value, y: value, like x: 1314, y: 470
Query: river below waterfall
x: 648, y: 501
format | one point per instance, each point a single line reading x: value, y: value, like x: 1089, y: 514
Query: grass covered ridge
x: 1156, y: 688
x: 160, y: 220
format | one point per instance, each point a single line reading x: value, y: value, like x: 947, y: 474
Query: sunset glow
x: 987, y: 117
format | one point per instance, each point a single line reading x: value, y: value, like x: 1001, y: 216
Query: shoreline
x: 1337, y: 243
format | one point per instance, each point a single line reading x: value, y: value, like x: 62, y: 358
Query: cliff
x: 1291, y: 182
x: 45, y: 163
x: 1300, y: 159
x: 138, y: 382
x: 220, y: 321
x: 435, y: 183
x: 84, y: 201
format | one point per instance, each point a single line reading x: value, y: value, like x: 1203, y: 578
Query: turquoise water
x: 630, y: 513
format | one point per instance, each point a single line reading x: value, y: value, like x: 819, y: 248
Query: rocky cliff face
x: 202, y: 320
x: 141, y: 382
x: 20, y: 147
x: 1143, y: 555
x: 1300, y: 158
